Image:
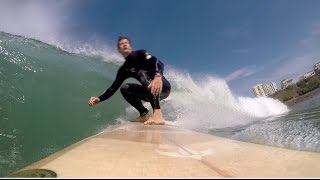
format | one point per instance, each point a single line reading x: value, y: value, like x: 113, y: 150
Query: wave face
x: 44, y: 91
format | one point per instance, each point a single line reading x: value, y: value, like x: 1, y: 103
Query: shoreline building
x: 286, y: 82
x: 316, y: 67
x: 309, y: 74
x: 258, y: 90
x: 270, y: 88
x: 265, y: 89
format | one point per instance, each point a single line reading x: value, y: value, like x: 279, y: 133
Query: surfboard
x: 137, y: 150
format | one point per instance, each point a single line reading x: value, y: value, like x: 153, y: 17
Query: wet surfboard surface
x: 136, y: 150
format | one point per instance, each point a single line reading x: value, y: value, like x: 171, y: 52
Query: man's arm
x: 121, y: 76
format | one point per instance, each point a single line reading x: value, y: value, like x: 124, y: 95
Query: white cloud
x: 295, y: 66
x: 299, y: 61
x: 287, y: 68
x: 288, y: 65
x: 240, y: 73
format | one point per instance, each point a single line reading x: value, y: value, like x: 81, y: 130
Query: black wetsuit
x: 143, y: 67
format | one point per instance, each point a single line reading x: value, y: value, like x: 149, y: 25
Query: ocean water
x: 44, y: 90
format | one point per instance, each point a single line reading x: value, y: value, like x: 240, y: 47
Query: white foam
x: 262, y: 106
x: 209, y: 103
x: 94, y: 48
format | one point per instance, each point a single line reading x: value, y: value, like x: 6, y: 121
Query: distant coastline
x: 302, y: 90
x: 302, y: 98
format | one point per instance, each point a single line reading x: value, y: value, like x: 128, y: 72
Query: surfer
x: 148, y: 70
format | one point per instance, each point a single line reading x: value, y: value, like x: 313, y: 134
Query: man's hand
x: 156, y: 86
x: 93, y: 101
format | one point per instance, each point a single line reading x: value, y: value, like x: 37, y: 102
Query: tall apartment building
x: 270, y: 88
x: 265, y: 89
x: 258, y: 90
x: 316, y: 67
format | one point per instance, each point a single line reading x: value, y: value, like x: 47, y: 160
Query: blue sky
x: 243, y: 41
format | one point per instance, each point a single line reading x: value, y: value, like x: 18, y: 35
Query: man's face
x: 124, y: 47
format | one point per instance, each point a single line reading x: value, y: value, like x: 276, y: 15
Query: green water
x: 44, y: 93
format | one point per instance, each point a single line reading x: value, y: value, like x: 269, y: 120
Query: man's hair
x: 121, y: 38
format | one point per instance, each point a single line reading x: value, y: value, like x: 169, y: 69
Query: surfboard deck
x: 137, y: 150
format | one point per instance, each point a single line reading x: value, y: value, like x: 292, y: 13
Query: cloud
x: 296, y: 66
x: 289, y: 68
x: 287, y: 65
x: 279, y: 68
x: 293, y: 64
x: 240, y: 73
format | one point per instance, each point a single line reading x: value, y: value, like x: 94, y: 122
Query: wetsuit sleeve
x: 152, y: 62
x: 121, y: 76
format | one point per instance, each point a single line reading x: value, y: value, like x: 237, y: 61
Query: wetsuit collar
x: 127, y: 55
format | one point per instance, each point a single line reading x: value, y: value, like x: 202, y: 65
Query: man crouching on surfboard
x: 148, y: 70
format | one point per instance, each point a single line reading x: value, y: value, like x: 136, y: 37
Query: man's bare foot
x: 152, y: 121
x: 156, y: 119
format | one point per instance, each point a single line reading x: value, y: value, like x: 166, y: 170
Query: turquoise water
x: 44, y: 92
